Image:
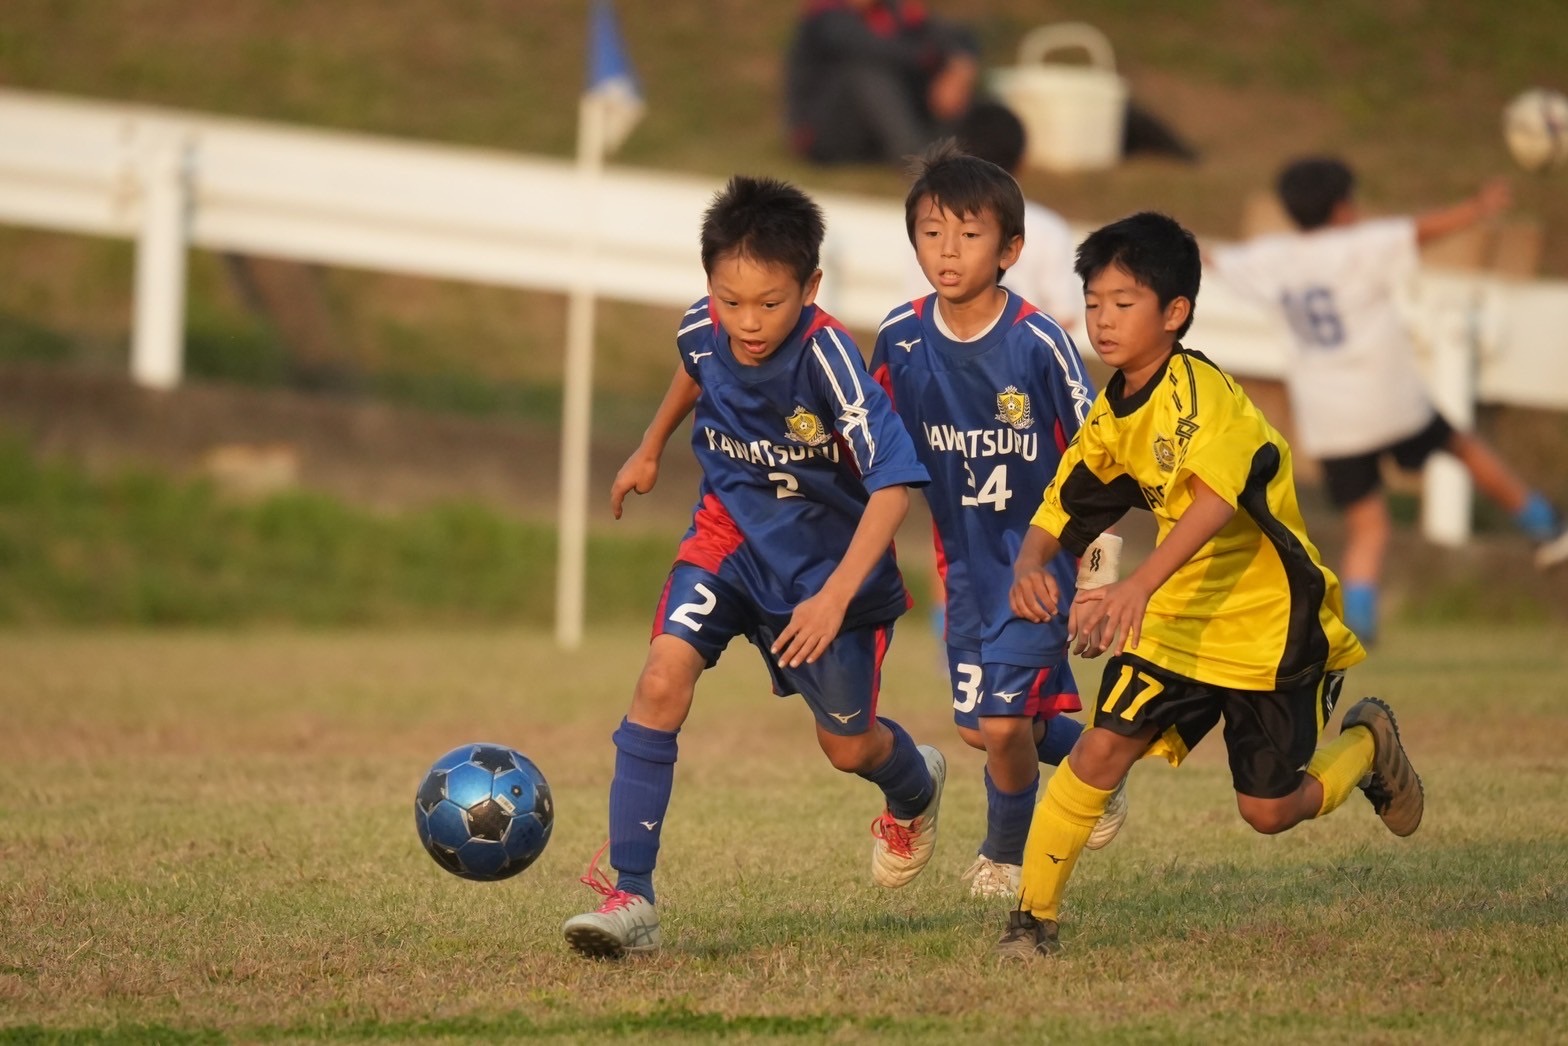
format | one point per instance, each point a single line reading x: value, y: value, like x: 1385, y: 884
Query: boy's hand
x: 812, y: 627
x: 638, y: 475
x: 1034, y: 595
x: 1109, y: 618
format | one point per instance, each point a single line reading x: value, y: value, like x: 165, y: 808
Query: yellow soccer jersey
x: 1254, y: 609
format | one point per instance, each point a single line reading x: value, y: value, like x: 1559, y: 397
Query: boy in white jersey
x: 1356, y: 393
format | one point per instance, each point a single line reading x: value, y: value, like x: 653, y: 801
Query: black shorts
x: 1353, y: 478
x: 1270, y: 735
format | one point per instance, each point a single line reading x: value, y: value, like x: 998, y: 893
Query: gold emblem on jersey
x: 1012, y: 407
x: 1165, y: 453
x: 807, y: 428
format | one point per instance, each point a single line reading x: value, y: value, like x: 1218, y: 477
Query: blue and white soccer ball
x: 484, y: 812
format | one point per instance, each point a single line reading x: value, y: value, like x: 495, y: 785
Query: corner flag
x: 611, y: 81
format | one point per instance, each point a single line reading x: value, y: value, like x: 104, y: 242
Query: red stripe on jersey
x: 820, y: 321
x: 876, y: 675
x: 715, y: 538
x: 884, y: 378
x: 941, y: 574
x: 1060, y: 434
x: 1025, y: 310
x: 1043, y: 701
x: 664, y: 601
x: 919, y: 305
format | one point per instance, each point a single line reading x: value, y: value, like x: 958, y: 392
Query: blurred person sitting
x: 1356, y: 392
x: 874, y: 81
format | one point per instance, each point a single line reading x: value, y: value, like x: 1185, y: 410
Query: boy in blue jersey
x: 805, y: 471
x: 992, y: 391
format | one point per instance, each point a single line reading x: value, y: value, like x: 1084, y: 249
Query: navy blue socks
x: 639, y: 796
x: 904, y: 778
x: 1061, y: 733
x: 1007, y: 817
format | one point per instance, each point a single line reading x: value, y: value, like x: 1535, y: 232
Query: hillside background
x: 393, y: 392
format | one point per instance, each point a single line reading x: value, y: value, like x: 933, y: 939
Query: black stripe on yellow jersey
x: 1254, y: 608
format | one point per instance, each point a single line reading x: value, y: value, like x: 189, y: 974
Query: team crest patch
x: 1165, y: 453
x: 806, y: 427
x: 1012, y: 407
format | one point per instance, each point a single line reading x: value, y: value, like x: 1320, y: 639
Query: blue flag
x: 611, y: 80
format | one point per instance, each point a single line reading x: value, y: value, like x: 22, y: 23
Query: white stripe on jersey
x: 854, y: 414
x: 894, y: 319
x: 693, y: 326
x: 1072, y: 371
x: 694, y: 308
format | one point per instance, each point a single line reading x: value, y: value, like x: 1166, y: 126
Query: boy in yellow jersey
x: 1232, y: 614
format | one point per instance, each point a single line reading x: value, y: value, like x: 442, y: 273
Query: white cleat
x: 1553, y: 553
x: 625, y: 924
x: 1110, y: 821
x: 988, y: 878
x: 900, y: 849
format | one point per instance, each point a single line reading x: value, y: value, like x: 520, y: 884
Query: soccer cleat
x: 988, y: 878
x: 900, y: 849
x: 1393, y: 786
x: 625, y: 924
x: 1027, y: 938
x: 1552, y: 553
x: 1110, y: 821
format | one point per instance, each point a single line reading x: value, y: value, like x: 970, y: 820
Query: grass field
x: 208, y: 837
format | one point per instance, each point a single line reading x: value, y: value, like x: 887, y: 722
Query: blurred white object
x: 1074, y: 114
x: 1535, y: 126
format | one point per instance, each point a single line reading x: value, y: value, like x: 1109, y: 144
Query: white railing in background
x: 171, y: 179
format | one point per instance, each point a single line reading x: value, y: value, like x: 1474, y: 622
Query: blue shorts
x: 995, y: 689
x: 841, y: 686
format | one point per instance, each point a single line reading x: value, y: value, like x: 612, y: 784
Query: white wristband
x: 1101, y: 562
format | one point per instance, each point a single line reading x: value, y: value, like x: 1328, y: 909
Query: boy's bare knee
x: 850, y: 754
x: 1266, y: 816
x: 1002, y: 731
x: 971, y: 737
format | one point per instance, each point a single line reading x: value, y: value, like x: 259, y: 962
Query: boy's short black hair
x: 991, y: 131
x: 964, y: 185
x: 767, y: 220
x: 1155, y: 250
x: 1310, y: 189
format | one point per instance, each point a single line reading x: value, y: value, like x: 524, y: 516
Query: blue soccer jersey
x: 790, y: 451
x: 990, y: 419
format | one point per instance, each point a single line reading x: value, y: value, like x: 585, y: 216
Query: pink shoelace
x: 900, y: 840
x: 596, y: 880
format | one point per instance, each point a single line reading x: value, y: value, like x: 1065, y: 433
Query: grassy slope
x: 1410, y: 91
x: 205, y: 836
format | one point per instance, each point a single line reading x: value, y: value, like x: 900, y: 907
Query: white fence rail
x: 170, y: 179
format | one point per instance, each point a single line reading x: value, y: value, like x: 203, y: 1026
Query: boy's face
x: 757, y: 303
x: 1127, y: 327
x: 960, y: 255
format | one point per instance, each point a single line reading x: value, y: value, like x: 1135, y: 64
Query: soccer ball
x: 1535, y: 126
x: 484, y: 812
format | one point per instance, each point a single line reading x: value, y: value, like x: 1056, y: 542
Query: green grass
x: 208, y: 837
x: 143, y: 548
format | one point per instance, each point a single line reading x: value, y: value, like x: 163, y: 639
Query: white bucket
x: 1074, y: 115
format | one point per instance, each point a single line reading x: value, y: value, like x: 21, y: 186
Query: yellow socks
x: 1062, y: 823
x: 1341, y: 764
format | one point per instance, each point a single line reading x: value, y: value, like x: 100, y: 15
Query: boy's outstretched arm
x: 1034, y: 594
x: 1108, y: 618
x: 816, y: 620
x: 1492, y: 200
x: 641, y: 470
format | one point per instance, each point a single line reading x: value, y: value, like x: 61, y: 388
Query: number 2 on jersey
x: 994, y: 493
